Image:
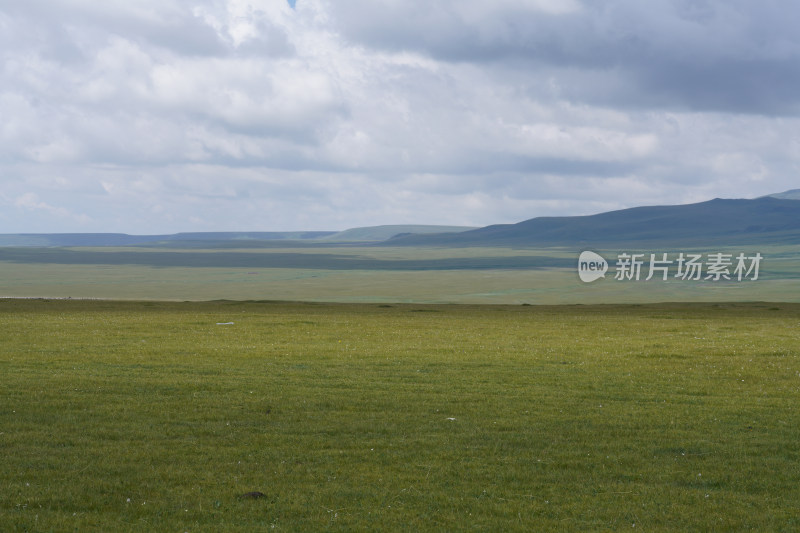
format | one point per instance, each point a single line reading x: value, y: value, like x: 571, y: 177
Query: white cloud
x: 30, y: 202
x: 248, y: 114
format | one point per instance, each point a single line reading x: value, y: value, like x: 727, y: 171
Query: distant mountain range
x: 233, y: 239
x: 762, y: 220
x: 772, y: 219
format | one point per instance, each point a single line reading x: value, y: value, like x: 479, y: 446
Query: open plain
x: 243, y: 416
x: 373, y: 274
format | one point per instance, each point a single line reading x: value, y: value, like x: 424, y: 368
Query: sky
x: 163, y: 116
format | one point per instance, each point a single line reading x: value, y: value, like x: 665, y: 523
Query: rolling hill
x: 382, y: 233
x: 251, y: 239
x: 772, y: 219
x: 123, y: 239
x: 793, y: 194
x: 718, y: 221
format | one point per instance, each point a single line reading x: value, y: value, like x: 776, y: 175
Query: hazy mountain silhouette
x: 718, y: 221
x: 771, y: 219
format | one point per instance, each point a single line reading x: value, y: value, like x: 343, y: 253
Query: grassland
x: 159, y: 416
x: 493, y: 275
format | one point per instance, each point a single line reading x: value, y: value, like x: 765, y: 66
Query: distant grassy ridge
x: 534, y: 261
x: 382, y: 233
x: 769, y: 220
x: 721, y: 222
x: 240, y: 239
x: 273, y: 259
x: 122, y: 239
x: 779, y: 262
x: 373, y: 274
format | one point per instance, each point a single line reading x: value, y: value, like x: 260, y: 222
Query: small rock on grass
x: 255, y: 495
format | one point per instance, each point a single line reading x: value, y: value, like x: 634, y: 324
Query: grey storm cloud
x: 191, y: 115
x: 737, y: 56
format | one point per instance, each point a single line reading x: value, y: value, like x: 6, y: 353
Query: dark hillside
x: 767, y: 220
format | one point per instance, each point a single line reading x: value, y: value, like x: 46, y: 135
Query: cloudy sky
x: 159, y: 116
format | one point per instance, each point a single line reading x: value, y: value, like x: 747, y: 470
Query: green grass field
x: 367, y: 275
x: 159, y: 416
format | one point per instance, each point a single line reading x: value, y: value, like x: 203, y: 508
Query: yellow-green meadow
x: 243, y: 416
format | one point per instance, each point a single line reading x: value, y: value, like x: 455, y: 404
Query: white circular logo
x: 591, y: 266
